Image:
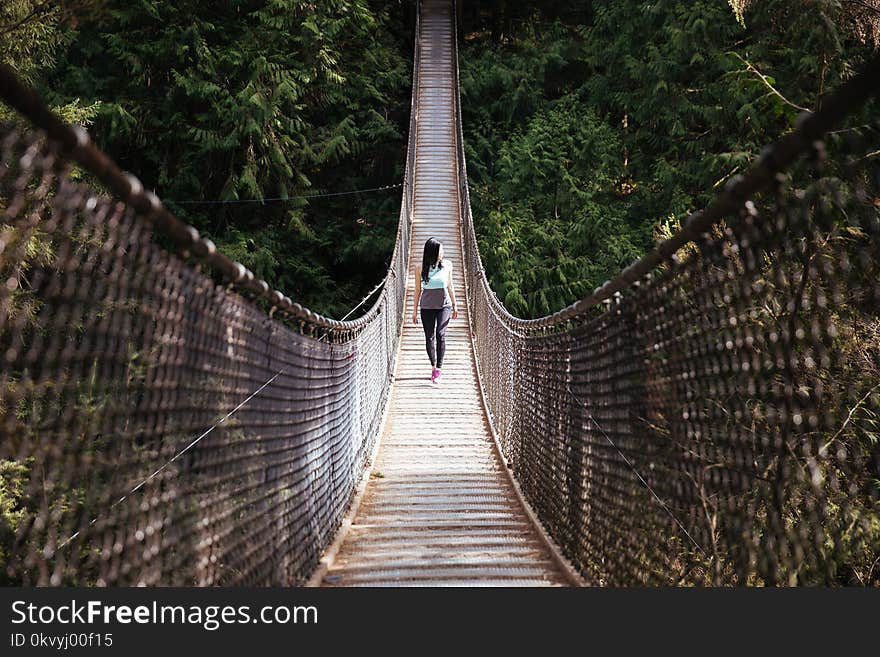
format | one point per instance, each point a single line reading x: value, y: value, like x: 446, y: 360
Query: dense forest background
x: 215, y: 105
x: 592, y: 128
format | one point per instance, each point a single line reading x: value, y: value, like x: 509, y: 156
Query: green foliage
x: 653, y: 105
x: 30, y: 37
x: 253, y: 100
x: 574, y: 215
x: 13, y: 483
x: 32, y: 34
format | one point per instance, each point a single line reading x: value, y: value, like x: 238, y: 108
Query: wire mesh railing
x: 712, y: 415
x: 166, y: 418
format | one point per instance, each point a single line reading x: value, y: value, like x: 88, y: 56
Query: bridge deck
x: 439, y: 509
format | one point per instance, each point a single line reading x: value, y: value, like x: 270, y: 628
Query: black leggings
x: 435, y: 321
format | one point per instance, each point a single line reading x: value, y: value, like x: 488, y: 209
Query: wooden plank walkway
x: 439, y: 509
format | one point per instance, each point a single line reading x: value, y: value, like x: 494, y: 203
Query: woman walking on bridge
x: 435, y: 298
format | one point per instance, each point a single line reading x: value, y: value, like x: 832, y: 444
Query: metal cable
x: 275, y: 199
x: 638, y: 474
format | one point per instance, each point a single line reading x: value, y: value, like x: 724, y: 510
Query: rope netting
x: 712, y: 415
x: 165, y: 418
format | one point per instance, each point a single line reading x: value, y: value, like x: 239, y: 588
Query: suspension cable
x: 276, y: 199
x: 633, y: 468
x: 180, y: 453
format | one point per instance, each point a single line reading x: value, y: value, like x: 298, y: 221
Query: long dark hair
x: 429, y: 257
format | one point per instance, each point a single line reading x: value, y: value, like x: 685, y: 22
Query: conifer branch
x: 763, y: 79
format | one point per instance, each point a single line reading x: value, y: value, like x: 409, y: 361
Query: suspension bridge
x: 704, y: 417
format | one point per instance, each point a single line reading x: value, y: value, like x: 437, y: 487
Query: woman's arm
x: 450, y: 288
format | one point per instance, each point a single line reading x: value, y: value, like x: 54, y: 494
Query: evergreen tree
x: 678, y: 97
x: 248, y: 100
x: 32, y: 34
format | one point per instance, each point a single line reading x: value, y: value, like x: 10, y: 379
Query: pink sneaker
x: 435, y: 375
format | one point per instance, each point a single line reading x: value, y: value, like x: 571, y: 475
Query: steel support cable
x: 635, y: 471
x: 276, y: 199
x: 182, y: 452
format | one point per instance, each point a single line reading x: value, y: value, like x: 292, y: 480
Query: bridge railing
x: 166, y: 418
x: 712, y: 414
